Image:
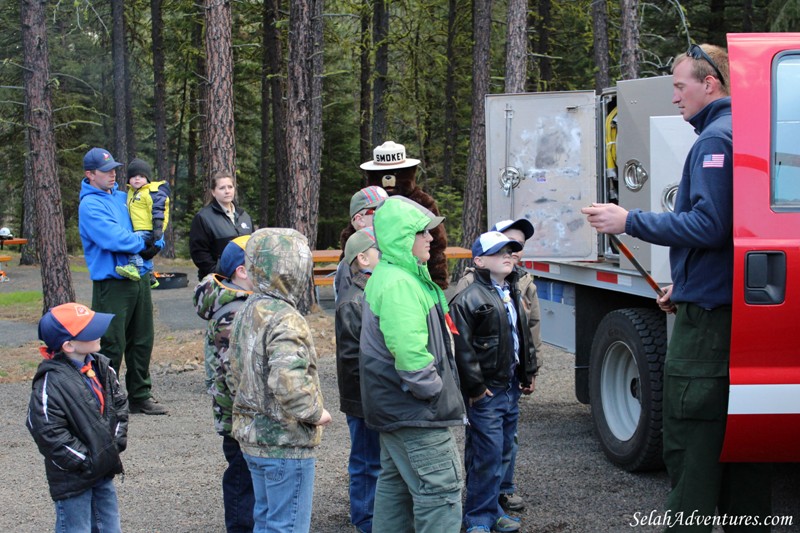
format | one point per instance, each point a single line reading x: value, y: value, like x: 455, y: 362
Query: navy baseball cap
x: 71, y: 321
x: 99, y: 159
x: 491, y: 242
x: 522, y: 224
x: 233, y: 256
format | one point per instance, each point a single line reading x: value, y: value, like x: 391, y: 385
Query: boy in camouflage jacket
x: 278, y: 411
x: 217, y: 298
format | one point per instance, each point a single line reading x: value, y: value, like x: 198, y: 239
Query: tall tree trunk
x: 160, y: 120
x: 202, y: 159
x: 317, y: 65
x: 365, y: 142
x: 219, y: 74
x: 194, y: 185
x: 476, y: 162
x: 263, y: 161
x: 380, y: 35
x: 120, y: 97
x: 277, y: 90
x: 602, y: 76
x: 516, y: 46
x: 629, y: 37
x: 28, y: 254
x: 450, y: 126
x: 543, y: 26
x: 303, y: 184
x: 56, y: 276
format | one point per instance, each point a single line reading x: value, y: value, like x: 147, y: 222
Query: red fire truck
x: 549, y: 154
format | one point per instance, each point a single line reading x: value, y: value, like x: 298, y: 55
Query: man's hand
x: 606, y: 218
x: 665, y: 302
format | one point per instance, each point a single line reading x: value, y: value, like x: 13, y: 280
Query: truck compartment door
x: 540, y: 165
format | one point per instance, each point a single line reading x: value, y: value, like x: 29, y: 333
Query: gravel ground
x: 174, y: 463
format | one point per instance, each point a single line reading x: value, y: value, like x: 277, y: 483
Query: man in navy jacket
x: 700, y: 236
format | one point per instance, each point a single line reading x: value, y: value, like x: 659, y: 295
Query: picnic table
x: 6, y: 258
x: 326, y: 261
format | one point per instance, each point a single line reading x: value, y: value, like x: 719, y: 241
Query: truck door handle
x: 765, y: 278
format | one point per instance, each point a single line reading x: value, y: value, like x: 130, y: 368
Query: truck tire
x: 625, y: 386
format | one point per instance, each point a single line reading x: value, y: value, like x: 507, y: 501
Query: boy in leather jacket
x: 360, y: 255
x: 78, y: 417
x: 496, y: 362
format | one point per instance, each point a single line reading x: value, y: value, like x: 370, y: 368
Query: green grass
x: 20, y: 297
x: 78, y: 268
x: 23, y: 306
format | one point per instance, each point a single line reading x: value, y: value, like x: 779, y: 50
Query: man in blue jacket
x: 107, y: 236
x: 700, y: 236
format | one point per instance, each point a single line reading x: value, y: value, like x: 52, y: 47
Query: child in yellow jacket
x: 148, y: 205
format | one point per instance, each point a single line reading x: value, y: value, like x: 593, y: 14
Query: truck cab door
x: 764, y: 403
x: 541, y: 165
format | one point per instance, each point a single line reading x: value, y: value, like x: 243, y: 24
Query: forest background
x: 293, y: 95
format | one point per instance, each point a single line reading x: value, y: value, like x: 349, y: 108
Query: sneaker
x: 129, y: 272
x: 149, y: 406
x: 153, y: 281
x: 478, y: 528
x: 511, y: 502
x: 506, y: 524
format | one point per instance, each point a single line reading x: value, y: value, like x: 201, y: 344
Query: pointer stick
x: 627, y: 253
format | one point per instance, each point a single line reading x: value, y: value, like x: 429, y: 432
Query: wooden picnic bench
x: 326, y: 261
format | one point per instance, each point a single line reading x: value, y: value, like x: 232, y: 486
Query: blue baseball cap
x: 491, y: 242
x: 233, y: 256
x: 99, y: 159
x: 72, y: 321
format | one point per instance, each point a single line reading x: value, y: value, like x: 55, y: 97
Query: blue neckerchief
x: 511, y: 312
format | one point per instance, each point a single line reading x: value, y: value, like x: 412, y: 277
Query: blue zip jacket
x: 106, y: 231
x: 700, y: 231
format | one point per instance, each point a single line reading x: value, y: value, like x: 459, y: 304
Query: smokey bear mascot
x: 397, y: 174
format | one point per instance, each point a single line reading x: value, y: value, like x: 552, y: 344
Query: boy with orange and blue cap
x: 78, y: 417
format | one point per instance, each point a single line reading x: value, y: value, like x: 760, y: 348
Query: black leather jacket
x: 80, y: 445
x: 348, y: 333
x: 484, y: 344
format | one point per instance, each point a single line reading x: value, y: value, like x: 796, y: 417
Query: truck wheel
x: 625, y: 386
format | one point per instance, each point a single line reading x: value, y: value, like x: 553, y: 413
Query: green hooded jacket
x: 408, y: 372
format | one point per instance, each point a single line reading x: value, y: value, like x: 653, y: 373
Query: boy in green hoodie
x: 409, y: 381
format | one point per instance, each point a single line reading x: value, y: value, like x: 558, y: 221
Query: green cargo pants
x: 695, y: 411
x: 419, y: 487
x: 130, y: 332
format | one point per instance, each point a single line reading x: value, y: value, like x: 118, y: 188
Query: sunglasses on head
x: 696, y: 52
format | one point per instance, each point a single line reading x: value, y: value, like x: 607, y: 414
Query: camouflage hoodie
x: 218, y: 299
x: 273, y: 361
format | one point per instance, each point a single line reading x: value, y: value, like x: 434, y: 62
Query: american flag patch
x: 713, y: 160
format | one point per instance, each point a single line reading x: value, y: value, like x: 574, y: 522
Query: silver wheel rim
x: 620, y: 390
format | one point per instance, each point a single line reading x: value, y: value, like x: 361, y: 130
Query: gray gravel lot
x: 174, y: 463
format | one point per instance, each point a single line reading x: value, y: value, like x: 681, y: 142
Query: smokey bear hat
x: 389, y: 155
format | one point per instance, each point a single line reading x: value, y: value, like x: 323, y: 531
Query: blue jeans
x: 92, y: 511
x: 237, y: 489
x: 419, y: 487
x: 364, y: 467
x: 284, y: 491
x: 488, y: 450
